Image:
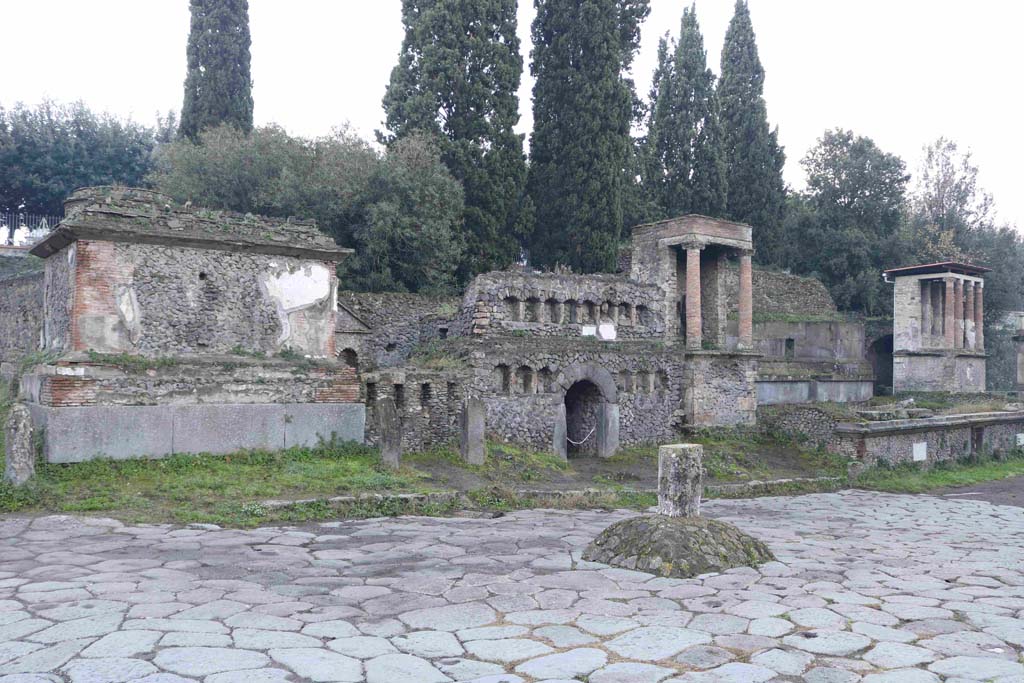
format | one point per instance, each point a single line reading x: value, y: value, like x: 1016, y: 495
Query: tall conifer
x: 685, y: 168
x: 456, y: 78
x: 754, y: 159
x: 580, y: 147
x: 218, y: 84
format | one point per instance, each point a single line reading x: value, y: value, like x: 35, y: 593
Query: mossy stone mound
x: 679, y: 547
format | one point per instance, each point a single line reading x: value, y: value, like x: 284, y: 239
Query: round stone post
x: 18, y: 450
x: 680, y: 479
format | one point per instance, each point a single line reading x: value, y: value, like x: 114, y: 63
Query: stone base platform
x: 679, y: 547
x: 76, y: 434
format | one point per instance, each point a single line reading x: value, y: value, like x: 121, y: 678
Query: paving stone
x: 822, y: 642
x: 107, y: 670
x: 331, y: 629
x: 570, y: 664
x: 898, y: 655
x: 771, y: 627
x: 253, y: 639
x: 203, y: 661
x: 470, y: 669
x: 785, y: 662
x: 492, y: 632
x: 507, y: 650
x: 320, y: 666
x: 429, y: 644
x: 451, y: 617
x: 78, y: 628
x: 362, y: 647
x: 883, y: 633
x: 902, y: 676
x: 186, y: 639
x: 123, y: 644
x: 704, y: 657
x: 251, y: 676
x: 976, y: 668
x: 47, y: 658
x: 653, y: 643
x: 630, y: 672
x: 402, y: 668
x: 815, y: 617
x: 719, y: 624
x: 826, y: 674
x: 969, y: 643
x: 733, y: 672
x: 564, y: 636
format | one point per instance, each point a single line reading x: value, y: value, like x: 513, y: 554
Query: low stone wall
x: 21, y: 315
x: 771, y: 391
x: 930, y: 440
x: 427, y: 403
x: 805, y: 423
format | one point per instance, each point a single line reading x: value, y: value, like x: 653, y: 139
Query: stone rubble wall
x: 397, y: 324
x: 777, y: 293
x: 21, y: 315
x: 428, y: 403
x: 157, y: 300
x: 940, y: 439
x: 802, y: 422
x: 721, y: 390
x: 554, y: 304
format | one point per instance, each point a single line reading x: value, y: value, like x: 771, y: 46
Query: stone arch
x: 350, y: 357
x: 588, y: 394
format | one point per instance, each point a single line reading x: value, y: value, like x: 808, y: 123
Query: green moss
x: 130, y: 363
x: 914, y: 479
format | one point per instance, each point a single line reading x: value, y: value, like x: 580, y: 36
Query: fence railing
x: 15, y: 226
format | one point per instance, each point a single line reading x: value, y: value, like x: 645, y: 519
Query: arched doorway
x: 880, y: 356
x: 582, y: 411
x: 587, y: 417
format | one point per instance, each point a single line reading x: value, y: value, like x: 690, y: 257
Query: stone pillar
x: 680, y: 479
x: 693, y: 316
x: 389, y: 424
x: 969, y: 315
x: 472, y: 420
x: 947, y: 313
x: 926, y: 312
x: 979, y: 316
x: 19, y: 452
x: 746, y: 303
x: 958, y: 313
x: 936, y: 288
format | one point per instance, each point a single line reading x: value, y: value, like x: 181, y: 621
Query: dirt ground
x: 1000, y: 492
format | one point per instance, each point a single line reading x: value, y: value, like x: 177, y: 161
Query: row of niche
x: 525, y: 380
x: 572, y: 312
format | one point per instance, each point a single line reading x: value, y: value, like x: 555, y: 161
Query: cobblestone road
x: 868, y: 587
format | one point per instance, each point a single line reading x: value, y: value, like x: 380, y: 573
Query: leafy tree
x: 580, y: 148
x: 218, y: 83
x: 846, y: 230
x: 754, y: 159
x: 456, y: 78
x: 685, y: 170
x: 48, y: 151
x: 400, y: 210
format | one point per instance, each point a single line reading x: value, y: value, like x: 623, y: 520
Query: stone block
x: 305, y: 424
x: 680, y: 479
x: 77, y: 434
x: 389, y: 425
x: 224, y: 428
x: 472, y: 420
x: 19, y: 452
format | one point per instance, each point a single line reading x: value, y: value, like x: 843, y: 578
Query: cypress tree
x: 218, y: 84
x: 456, y: 79
x: 686, y: 169
x: 581, y: 147
x: 754, y: 159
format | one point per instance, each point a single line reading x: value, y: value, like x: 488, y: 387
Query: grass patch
x: 946, y: 404
x: 207, y: 488
x: 738, y: 456
x: 503, y: 462
x: 912, y: 479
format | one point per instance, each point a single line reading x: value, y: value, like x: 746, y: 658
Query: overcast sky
x: 902, y: 72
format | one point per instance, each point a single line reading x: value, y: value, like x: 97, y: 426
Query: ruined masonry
x: 170, y: 330
x: 938, y: 330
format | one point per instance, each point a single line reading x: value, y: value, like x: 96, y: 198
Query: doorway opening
x: 582, y: 412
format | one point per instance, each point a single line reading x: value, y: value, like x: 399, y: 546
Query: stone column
x: 969, y: 315
x: 19, y: 452
x: 936, y: 287
x: 693, y: 317
x: 947, y: 313
x: 472, y: 421
x: 979, y: 316
x: 746, y: 303
x: 926, y: 312
x: 680, y: 479
x: 958, y: 313
x: 389, y: 424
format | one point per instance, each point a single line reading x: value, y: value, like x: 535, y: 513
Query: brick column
x: 693, y: 317
x: 969, y: 315
x: 979, y: 316
x: 746, y: 303
x: 958, y: 313
x: 926, y: 312
x: 947, y: 313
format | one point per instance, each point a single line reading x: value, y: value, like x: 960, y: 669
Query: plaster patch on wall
x: 920, y: 451
x: 128, y: 310
x: 606, y: 331
x: 1020, y: 439
x: 589, y: 331
x: 295, y: 290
